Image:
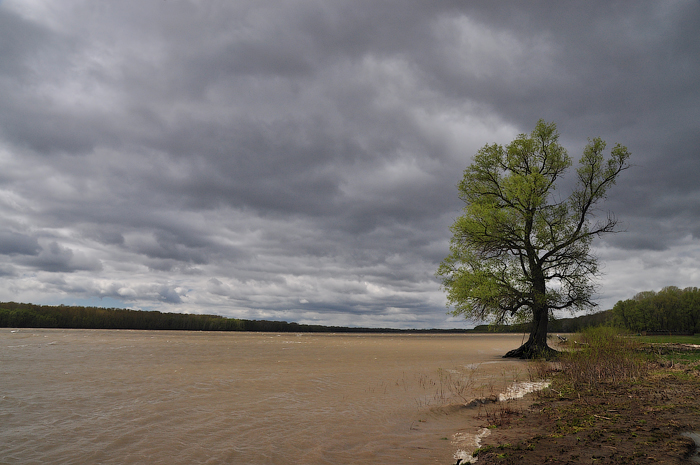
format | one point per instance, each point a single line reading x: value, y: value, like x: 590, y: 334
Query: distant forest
x: 19, y: 315
x: 671, y: 310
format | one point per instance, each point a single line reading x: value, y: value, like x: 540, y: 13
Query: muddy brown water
x: 128, y: 397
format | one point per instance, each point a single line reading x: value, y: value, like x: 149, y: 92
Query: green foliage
x: 669, y: 310
x: 603, y: 355
x: 520, y: 249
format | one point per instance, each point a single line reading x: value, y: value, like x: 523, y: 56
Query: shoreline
x: 466, y: 442
x: 653, y: 420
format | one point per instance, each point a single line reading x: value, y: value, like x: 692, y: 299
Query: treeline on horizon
x: 21, y: 315
x: 561, y: 325
x: 671, y: 310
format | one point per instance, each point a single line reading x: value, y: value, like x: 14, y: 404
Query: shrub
x: 602, y: 354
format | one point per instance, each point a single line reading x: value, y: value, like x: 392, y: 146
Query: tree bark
x: 536, y: 345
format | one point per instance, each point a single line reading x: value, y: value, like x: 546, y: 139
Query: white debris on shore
x: 518, y: 390
x: 468, y: 443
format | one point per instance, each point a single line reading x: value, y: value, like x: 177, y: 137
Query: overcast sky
x: 298, y: 160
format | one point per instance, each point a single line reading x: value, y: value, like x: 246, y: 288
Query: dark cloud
x: 18, y: 38
x: 299, y: 161
x: 169, y: 295
x: 58, y: 259
x: 18, y: 244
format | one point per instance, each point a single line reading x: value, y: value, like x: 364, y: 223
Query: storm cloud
x: 299, y: 160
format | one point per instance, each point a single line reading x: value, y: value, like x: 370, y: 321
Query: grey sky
x: 298, y: 160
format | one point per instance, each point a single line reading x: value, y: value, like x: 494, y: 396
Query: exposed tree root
x: 531, y: 350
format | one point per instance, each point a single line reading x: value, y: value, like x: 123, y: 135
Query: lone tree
x: 520, y: 250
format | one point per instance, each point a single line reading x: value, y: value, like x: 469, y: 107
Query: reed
x: 602, y: 355
x: 457, y: 383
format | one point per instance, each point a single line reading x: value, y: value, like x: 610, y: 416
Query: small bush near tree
x: 603, y: 354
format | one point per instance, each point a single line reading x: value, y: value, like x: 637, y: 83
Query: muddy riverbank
x: 652, y: 420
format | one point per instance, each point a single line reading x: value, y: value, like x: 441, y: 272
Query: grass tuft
x: 602, y: 355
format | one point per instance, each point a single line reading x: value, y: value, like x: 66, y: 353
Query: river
x: 160, y: 397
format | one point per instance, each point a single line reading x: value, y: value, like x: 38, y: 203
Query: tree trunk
x: 536, y: 345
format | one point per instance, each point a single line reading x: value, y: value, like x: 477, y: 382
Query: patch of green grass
x: 688, y: 356
x: 682, y: 375
x: 694, y: 339
x: 685, y: 357
x: 481, y: 450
